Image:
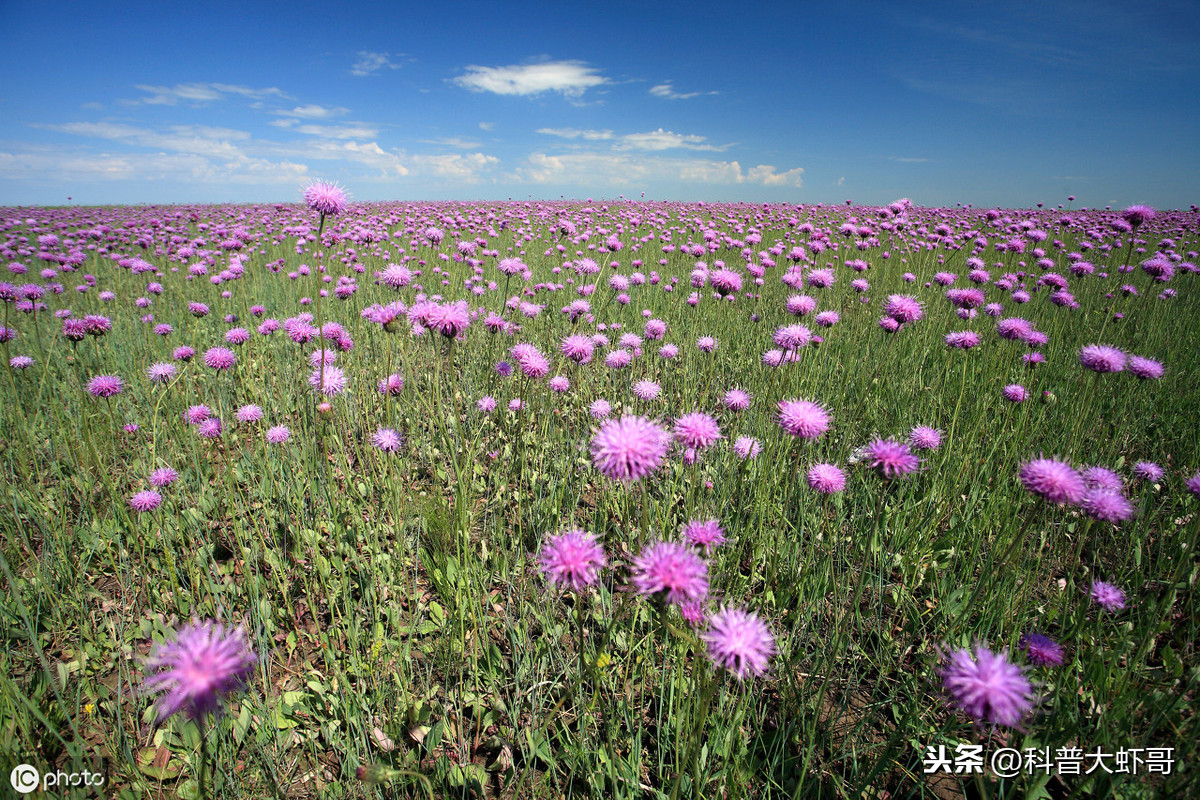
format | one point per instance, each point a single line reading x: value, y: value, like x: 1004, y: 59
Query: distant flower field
x: 606, y: 499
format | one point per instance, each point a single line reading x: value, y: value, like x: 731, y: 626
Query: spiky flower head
x: 740, y: 642
x: 572, y: 560
x: 193, y: 671
x: 327, y: 199
x: 987, y: 686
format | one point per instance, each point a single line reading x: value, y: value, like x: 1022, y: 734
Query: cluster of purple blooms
x: 672, y: 574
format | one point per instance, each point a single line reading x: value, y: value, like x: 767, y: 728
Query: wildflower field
x: 600, y: 499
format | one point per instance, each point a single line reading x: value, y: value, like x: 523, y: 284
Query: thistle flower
x: 277, y: 434
x: 826, y: 478
x: 1102, y: 358
x: 891, y: 458
x: 629, y: 449
x: 327, y: 199
x: 987, y: 686
x: 1052, y: 480
x: 145, y: 501
x: 924, y: 437
x: 1108, y: 597
x: 387, y: 440
x: 671, y: 569
x: 105, y: 386
x: 706, y: 533
x: 193, y: 671
x: 803, y: 418
x: 572, y: 560
x: 740, y: 642
x: 1042, y: 650
x: 697, y: 430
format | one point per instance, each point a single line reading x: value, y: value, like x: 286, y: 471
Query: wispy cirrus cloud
x: 651, y: 140
x: 211, y: 155
x: 314, y: 111
x: 569, y: 78
x: 368, y: 62
x: 200, y: 93
x: 629, y: 169
x: 667, y: 92
x: 346, y: 131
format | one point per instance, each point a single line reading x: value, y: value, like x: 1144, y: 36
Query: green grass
x: 395, y: 601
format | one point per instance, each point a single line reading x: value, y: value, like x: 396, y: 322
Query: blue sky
x: 990, y: 104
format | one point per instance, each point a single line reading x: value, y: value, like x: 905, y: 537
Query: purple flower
x: 1108, y: 597
x: 1148, y: 471
x: 600, y: 409
x: 672, y: 569
x: 204, y: 661
x: 209, y: 428
x: 1102, y: 358
x: 923, y: 437
x: 572, y: 560
x: 278, y: 434
x: 105, y: 386
x: 163, y: 476
x: 1015, y: 393
x: 145, y: 501
x: 1106, y: 505
x: 740, y: 642
x: 1052, y: 480
x: 705, y: 533
x: 803, y: 418
x: 332, y: 383
x: 1145, y: 368
x: 826, y: 478
x: 160, y: 372
x: 1102, y: 478
x: 219, y: 358
x: 747, y: 447
x: 1193, y: 484
x: 706, y: 344
x: 903, y: 308
x: 697, y: 430
x: 987, y: 686
x: 1042, y: 650
x: 963, y: 340
x: 392, y: 385
x: 486, y: 404
x: 737, y: 400
x: 1137, y: 214
x: 248, y: 413
x: 327, y: 199
x: 629, y: 449
x: 387, y: 440
x: 890, y: 458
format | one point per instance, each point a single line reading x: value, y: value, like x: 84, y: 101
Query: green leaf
x: 158, y: 763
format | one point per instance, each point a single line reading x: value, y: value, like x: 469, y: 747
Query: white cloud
x: 487, y: 126
x: 622, y: 169
x: 369, y: 63
x: 313, y: 111
x: 905, y: 160
x: 201, y: 93
x: 576, y: 133
x: 652, y: 140
x: 207, y: 153
x: 667, y: 92
x: 462, y: 167
x: 569, y: 78
x: 454, y: 141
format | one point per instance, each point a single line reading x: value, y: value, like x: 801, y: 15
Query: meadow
x: 600, y: 499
